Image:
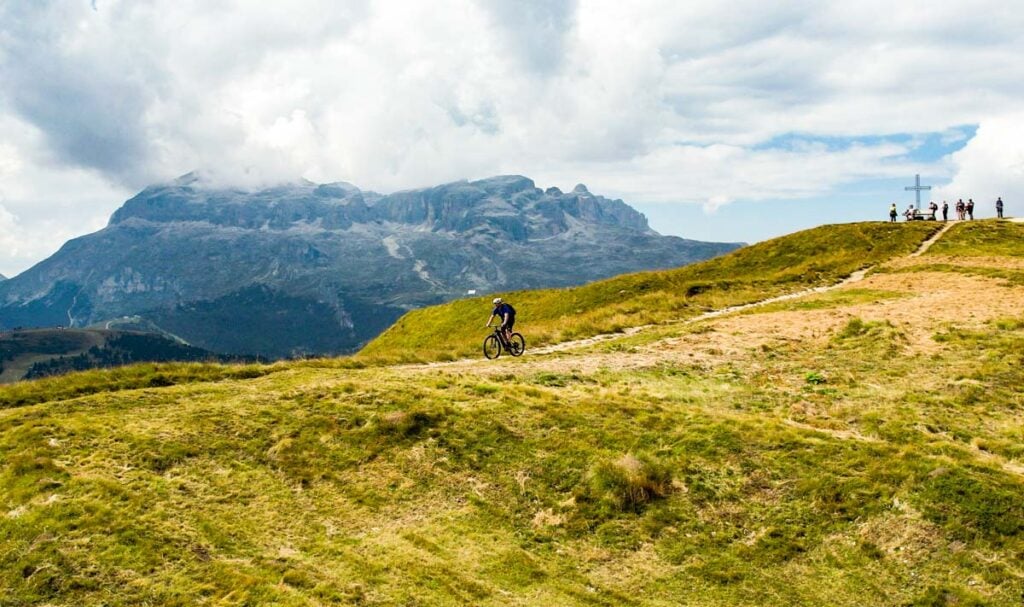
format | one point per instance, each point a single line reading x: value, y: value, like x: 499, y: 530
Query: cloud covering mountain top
x: 657, y: 101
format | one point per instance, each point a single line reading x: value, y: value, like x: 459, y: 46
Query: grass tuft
x: 630, y: 482
x: 406, y: 423
x: 815, y: 378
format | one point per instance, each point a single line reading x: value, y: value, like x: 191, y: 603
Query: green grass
x: 122, y: 378
x: 850, y: 469
x: 809, y: 258
x: 673, y: 484
x: 982, y: 238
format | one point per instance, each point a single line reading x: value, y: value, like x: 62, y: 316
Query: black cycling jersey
x: 502, y: 309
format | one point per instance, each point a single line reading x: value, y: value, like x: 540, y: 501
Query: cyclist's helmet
x: 496, y: 301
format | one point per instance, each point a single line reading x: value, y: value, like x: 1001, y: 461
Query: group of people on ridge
x: 964, y: 210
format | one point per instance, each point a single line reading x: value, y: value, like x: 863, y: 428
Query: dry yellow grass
x: 798, y: 455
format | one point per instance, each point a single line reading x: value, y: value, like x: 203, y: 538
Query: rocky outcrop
x: 309, y: 268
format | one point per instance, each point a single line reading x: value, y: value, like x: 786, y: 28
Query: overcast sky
x: 721, y: 120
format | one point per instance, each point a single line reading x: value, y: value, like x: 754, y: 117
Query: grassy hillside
x: 834, y: 451
x: 809, y: 258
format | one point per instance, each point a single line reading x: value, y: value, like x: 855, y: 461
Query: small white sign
x: 471, y: 292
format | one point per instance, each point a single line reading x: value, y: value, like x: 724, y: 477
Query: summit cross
x: 917, y: 187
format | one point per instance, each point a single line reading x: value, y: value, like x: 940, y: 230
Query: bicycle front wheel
x: 492, y: 347
x: 516, y: 344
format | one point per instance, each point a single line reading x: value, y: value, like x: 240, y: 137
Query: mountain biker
x: 506, y: 313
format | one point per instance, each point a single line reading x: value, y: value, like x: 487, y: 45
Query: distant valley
x: 309, y: 268
x: 36, y: 353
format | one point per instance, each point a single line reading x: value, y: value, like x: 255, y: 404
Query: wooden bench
x: 921, y: 215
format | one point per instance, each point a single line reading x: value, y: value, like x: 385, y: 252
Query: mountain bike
x: 495, y: 343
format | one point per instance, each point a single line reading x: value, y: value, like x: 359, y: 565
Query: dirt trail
x: 934, y: 238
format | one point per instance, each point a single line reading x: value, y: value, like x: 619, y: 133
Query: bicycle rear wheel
x: 492, y: 347
x: 516, y: 344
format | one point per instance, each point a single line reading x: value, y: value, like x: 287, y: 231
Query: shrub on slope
x: 813, y: 257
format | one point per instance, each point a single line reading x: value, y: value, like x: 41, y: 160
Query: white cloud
x: 991, y: 165
x: 43, y: 203
x: 718, y: 174
x: 653, y: 100
x: 8, y: 228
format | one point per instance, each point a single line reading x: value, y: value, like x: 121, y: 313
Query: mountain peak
x: 580, y: 189
x: 190, y: 178
x: 505, y: 184
x: 245, y: 181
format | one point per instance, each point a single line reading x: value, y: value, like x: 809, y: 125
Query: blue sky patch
x: 924, y: 147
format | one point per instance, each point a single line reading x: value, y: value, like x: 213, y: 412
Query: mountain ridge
x: 306, y: 268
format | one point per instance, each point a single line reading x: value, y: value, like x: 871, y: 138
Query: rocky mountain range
x: 308, y: 268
